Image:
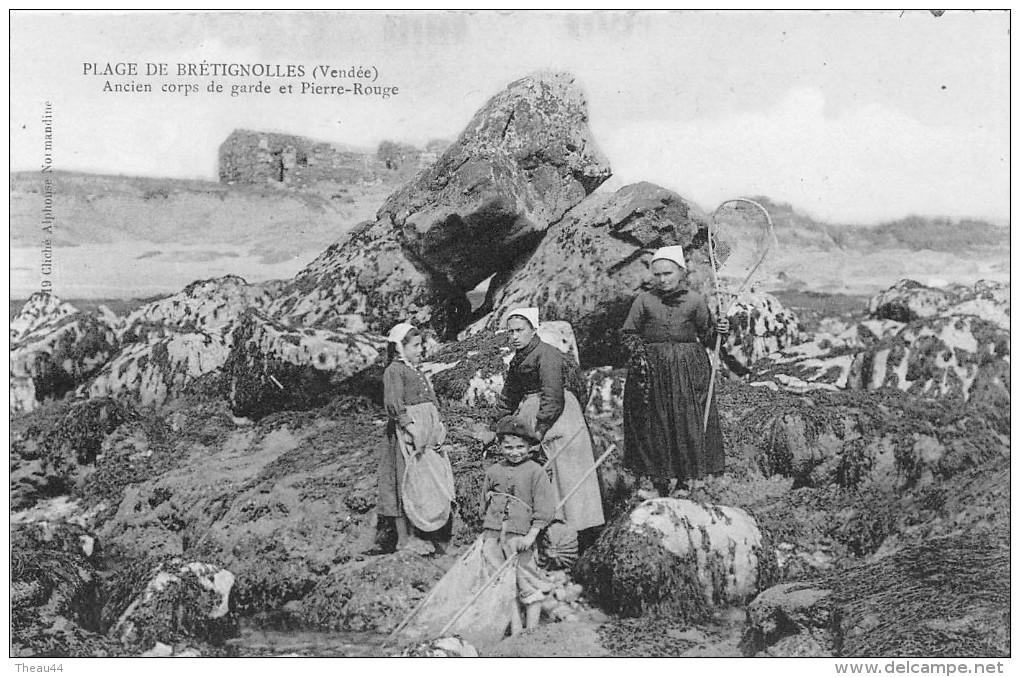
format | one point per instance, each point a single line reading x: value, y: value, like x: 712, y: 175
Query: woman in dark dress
x: 667, y: 332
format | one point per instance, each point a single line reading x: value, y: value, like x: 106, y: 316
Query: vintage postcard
x: 511, y: 334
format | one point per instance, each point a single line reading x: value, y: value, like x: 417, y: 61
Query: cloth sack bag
x: 427, y: 488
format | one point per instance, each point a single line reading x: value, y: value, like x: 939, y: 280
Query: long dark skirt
x: 663, y: 411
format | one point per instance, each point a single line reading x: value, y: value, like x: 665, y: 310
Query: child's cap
x: 512, y: 425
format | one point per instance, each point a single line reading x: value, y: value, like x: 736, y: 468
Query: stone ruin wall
x: 266, y: 158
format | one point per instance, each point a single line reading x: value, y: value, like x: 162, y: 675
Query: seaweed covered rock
x: 158, y: 368
x: 51, y: 575
x: 954, y: 357
x: 759, y: 327
x: 75, y: 439
x: 857, y: 439
x: 40, y: 310
x: 203, y: 307
x: 785, y: 611
x: 946, y: 597
x: 370, y: 281
x: 180, y: 601
x: 370, y: 595
x: 592, y: 263
x: 526, y: 157
x: 907, y: 301
x: 272, y: 367
x: 55, y: 351
x: 824, y: 362
x: 679, y: 558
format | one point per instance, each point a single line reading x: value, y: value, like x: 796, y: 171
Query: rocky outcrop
x: 273, y: 367
x: 180, y: 601
x: 907, y: 301
x: 591, y: 264
x: 525, y: 158
x: 940, y: 357
x: 824, y: 362
x: 203, y: 307
x: 791, y: 620
x: 56, y: 350
x: 159, y: 368
x: 40, y: 311
x: 678, y: 557
x: 370, y: 281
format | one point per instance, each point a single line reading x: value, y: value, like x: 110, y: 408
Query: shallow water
x: 259, y: 642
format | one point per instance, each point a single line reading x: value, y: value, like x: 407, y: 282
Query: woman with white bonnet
x: 413, y: 425
x: 666, y: 333
x: 535, y: 392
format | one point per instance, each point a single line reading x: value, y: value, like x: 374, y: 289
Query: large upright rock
x: 592, y: 263
x: 524, y: 159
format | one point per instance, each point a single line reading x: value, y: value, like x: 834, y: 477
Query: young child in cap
x: 518, y: 500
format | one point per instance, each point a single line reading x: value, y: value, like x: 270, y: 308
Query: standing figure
x: 666, y: 333
x: 518, y: 502
x: 413, y: 426
x: 534, y: 391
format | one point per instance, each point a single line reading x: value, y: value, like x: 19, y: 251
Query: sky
x: 853, y: 117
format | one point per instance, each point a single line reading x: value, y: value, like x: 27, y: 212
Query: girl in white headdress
x: 413, y: 426
x: 667, y: 332
x: 535, y: 391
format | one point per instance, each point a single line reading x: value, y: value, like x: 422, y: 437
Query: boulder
x: 907, y: 301
x: 592, y: 263
x: 203, y: 307
x: 679, y: 558
x: 159, y: 367
x: 939, y: 357
x: 525, y: 158
x: 54, y: 353
x: 273, y: 367
x: 370, y: 282
x: 786, y: 611
x: 180, y: 601
x: 759, y: 327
